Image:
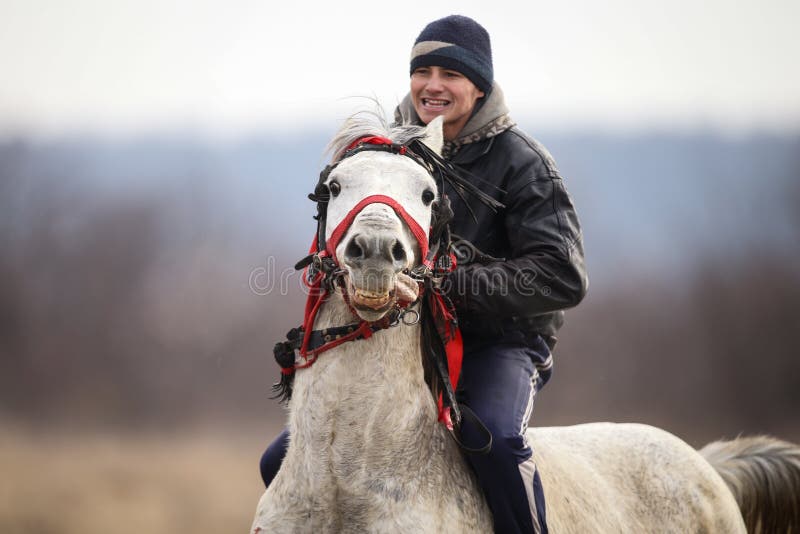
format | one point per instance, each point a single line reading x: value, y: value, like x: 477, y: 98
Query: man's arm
x: 545, y: 271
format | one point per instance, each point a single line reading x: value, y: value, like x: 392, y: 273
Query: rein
x: 441, y: 336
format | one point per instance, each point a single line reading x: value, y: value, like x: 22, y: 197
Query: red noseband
x: 419, y: 234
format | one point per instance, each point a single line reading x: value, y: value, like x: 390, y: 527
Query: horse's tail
x: 763, y: 473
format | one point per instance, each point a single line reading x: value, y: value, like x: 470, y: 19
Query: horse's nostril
x: 353, y: 250
x: 398, y: 251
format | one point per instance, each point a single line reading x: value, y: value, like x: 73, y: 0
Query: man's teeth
x: 434, y: 102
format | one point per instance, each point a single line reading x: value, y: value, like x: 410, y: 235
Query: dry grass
x: 190, y: 482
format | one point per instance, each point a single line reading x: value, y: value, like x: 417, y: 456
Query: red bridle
x: 318, y: 293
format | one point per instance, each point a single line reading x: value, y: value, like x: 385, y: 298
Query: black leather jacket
x: 537, y: 234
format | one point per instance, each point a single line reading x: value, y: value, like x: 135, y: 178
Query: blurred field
x: 198, y: 481
x: 128, y: 302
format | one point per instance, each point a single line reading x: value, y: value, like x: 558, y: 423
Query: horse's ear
x: 434, y: 136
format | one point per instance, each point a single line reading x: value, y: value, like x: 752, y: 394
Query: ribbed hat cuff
x: 458, y: 59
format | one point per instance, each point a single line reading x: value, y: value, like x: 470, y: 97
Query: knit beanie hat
x: 458, y: 43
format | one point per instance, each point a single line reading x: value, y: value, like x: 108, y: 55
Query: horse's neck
x: 366, y: 452
x: 370, y: 390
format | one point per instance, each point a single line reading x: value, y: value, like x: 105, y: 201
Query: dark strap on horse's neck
x: 469, y: 415
x: 434, y: 346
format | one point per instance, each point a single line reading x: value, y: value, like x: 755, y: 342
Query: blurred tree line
x: 126, y: 299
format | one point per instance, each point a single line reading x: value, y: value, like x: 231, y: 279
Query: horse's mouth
x: 374, y: 303
x: 366, y: 300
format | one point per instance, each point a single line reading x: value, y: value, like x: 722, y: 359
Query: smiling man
x: 451, y: 68
x: 442, y: 91
x: 510, y: 309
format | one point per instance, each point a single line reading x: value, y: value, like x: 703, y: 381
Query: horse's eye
x: 335, y: 188
x: 428, y: 196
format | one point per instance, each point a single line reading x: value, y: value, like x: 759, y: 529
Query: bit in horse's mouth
x: 405, y: 289
x: 371, y: 300
x: 366, y: 300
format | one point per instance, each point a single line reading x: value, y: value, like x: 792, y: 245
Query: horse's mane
x: 371, y: 122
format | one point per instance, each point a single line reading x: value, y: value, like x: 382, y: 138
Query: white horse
x: 366, y: 450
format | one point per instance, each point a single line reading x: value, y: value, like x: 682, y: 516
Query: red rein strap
x: 454, y: 351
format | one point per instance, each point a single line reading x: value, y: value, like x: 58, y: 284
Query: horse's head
x: 383, y: 232
x: 378, y: 218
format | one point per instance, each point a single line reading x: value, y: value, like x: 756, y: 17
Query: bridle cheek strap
x: 341, y: 229
x: 317, y: 294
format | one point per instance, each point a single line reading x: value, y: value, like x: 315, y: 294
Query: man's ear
x: 434, y: 135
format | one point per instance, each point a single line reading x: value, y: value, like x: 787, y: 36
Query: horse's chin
x: 370, y: 315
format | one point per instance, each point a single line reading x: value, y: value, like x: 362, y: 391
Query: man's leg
x: 273, y: 456
x: 499, y: 383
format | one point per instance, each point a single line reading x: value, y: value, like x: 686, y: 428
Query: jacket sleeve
x: 545, y: 271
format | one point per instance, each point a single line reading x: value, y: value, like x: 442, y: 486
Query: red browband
x: 373, y: 140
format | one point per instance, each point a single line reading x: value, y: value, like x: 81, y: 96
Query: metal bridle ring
x: 410, y: 322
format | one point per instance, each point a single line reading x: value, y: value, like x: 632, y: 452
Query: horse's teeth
x: 372, y: 296
x: 368, y: 298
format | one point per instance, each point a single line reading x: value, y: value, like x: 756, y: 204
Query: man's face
x: 438, y: 91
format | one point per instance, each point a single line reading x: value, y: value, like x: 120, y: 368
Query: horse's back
x: 606, y: 477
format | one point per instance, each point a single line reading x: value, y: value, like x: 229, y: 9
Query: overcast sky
x: 231, y: 67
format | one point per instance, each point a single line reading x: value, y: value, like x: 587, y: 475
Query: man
x: 509, y: 310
